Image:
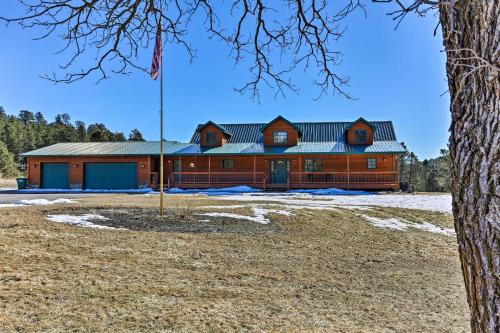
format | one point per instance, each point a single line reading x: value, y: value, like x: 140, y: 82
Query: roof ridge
x: 300, y: 122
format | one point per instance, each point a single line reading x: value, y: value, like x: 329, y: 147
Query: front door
x: 279, y: 171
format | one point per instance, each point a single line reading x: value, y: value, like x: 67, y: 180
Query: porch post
x: 348, y: 173
x: 300, y: 168
x: 254, y: 169
x: 397, y: 167
x: 195, y: 169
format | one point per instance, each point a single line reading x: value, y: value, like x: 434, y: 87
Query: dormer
x: 213, y: 135
x: 281, y: 132
x: 360, y: 133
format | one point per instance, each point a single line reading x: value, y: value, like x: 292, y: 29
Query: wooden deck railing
x: 217, y: 178
x: 343, y: 177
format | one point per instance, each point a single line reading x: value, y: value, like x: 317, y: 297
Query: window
x: 227, y: 164
x: 372, y: 163
x: 360, y: 136
x: 210, y: 138
x: 280, y: 137
x: 313, y: 165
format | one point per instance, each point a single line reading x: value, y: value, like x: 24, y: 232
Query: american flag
x: 155, y: 67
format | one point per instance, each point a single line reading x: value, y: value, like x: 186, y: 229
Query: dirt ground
x: 314, y: 271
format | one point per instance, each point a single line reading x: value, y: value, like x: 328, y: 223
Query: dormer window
x: 280, y: 137
x: 360, y: 136
x: 210, y: 138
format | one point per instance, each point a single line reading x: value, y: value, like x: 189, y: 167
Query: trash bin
x: 22, y: 183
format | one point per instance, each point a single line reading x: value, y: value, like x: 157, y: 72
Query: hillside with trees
x: 28, y: 131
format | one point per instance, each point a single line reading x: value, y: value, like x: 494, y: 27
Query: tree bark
x: 471, y: 38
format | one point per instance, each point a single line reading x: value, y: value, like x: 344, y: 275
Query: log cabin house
x: 277, y: 155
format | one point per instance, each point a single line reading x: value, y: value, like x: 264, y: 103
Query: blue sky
x: 395, y: 75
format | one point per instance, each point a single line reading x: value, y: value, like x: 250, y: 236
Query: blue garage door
x: 110, y: 176
x: 55, y: 175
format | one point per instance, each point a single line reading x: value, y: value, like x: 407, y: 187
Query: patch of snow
x: 258, y: 219
x: 47, y: 190
x: 438, y: 203
x: 45, y: 201
x: 426, y: 226
x: 38, y: 202
x: 81, y: 220
x: 215, y: 191
x: 226, y: 207
x: 393, y: 223
x: 332, y: 191
x: 259, y: 215
x: 203, y: 220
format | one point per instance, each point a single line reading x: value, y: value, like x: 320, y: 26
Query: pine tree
x: 81, y: 131
x: 135, y: 135
x: 8, y: 168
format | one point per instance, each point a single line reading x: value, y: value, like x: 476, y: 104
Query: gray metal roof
x: 152, y: 148
x: 324, y: 138
x: 126, y: 148
x: 312, y: 132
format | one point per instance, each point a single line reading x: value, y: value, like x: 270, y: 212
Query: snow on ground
x: 38, y: 202
x: 248, y: 189
x: 259, y: 214
x: 332, y: 191
x: 328, y: 198
x: 260, y: 217
x: 215, y: 191
x: 81, y: 220
x: 47, y: 190
x: 289, y: 201
x: 438, y: 203
x: 393, y: 223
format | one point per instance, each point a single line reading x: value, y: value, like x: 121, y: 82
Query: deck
x: 295, y: 180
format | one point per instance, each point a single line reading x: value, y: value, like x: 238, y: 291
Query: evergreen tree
x: 135, y: 135
x: 29, y: 131
x: 8, y: 167
x: 119, y: 136
x: 26, y: 116
x: 81, y: 131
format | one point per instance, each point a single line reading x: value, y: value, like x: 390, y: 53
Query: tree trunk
x: 471, y: 38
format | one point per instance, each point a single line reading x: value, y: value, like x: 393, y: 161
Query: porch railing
x: 217, y: 177
x: 343, y: 177
x: 259, y: 178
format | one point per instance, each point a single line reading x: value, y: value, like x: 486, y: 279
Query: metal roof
x: 152, y: 148
x: 312, y: 132
x: 221, y: 128
x: 128, y: 148
x: 318, y: 137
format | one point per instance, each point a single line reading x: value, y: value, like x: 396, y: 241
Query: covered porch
x: 280, y: 172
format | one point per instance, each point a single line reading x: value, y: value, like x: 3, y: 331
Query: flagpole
x: 161, y: 124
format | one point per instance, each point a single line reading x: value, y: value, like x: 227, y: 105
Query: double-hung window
x: 372, y: 163
x: 280, y: 137
x: 360, y: 136
x: 313, y: 165
x: 227, y: 164
x: 210, y: 138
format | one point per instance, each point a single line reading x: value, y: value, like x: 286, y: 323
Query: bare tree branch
x: 273, y: 38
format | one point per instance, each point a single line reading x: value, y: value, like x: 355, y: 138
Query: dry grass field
x: 8, y: 183
x: 314, y: 271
